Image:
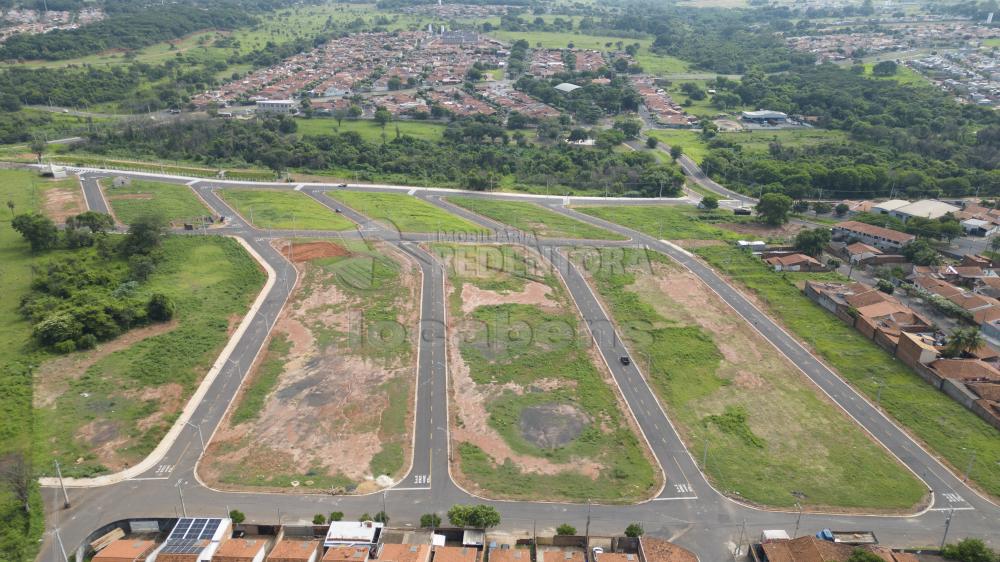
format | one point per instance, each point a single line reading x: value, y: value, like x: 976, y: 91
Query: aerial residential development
x: 520, y: 281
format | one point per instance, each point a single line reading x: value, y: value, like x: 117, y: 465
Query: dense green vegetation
x: 534, y: 219
x: 404, y: 213
x: 903, y: 139
x: 474, y: 153
x: 761, y: 444
x: 271, y: 208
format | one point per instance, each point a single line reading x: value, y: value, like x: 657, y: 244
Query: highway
x: 687, y: 510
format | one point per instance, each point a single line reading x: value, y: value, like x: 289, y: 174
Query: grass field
x: 404, y: 212
x: 689, y: 140
x: 535, y: 219
x: 991, y: 43
x: 655, y: 63
x: 561, y: 40
x: 283, y: 210
x: 758, y: 141
x: 119, y: 407
x: 522, y: 362
x: 946, y: 427
x: 370, y: 130
x: 175, y: 202
x: 667, y: 222
x: 22, y: 533
x: 725, y: 386
x: 904, y: 75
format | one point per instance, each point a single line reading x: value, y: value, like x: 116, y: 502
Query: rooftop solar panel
x: 196, y: 528
x: 210, y: 527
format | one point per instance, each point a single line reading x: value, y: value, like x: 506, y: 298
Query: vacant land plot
x: 759, y: 141
x: 285, y: 209
x: 726, y: 386
x: 903, y: 75
x: 535, y: 219
x: 690, y: 141
x: 370, y: 130
x: 106, y: 411
x: 338, y: 376
x: 533, y: 417
x: 562, y: 40
x: 404, y: 212
x: 61, y: 199
x: 176, y: 203
x: 667, y: 222
x: 655, y: 63
x: 946, y: 427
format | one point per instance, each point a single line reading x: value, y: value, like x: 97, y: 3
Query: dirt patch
x: 61, y: 203
x: 314, y: 250
x: 52, y: 377
x: 763, y: 230
x: 325, y: 414
x: 549, y: 426
x: 533, y: 293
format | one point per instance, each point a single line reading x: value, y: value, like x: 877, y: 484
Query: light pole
x: 200, y: 436
x: 63, y: 486
x: 947, y: 525
x: 180, y: 492
x: 797, y: 520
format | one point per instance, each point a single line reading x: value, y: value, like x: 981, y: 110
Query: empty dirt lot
x: 328, y: 407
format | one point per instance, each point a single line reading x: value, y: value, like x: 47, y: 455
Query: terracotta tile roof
x: 405, y: 553
x: 455, y: 554
x: 970, y: 301
x: 965, y: 369
x: 659, y: 550
x: 510, y: 555
x: 862, y: 248
x: 239, y: 549
x: 556, y: 554
x: 125, y: 549
x: 347, y: 554
x: 877, y: 231
x: 289, y: 550
x: 872, y: 296
x: 985, y: 390
x: 792, y: 259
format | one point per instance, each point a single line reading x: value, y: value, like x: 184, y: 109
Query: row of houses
x: 974, y: 381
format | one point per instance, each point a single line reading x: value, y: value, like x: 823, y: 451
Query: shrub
x: 319, y: 519
x: 336, y: 516
x: 566, y: 530
x: 65, y: 346
x: 237, y: 516
x: 86, y: 341
x: 634, y: 530
x: 381, y: 517
x: 969, y: 550
x: 430, y: 520
x: 160, y: 308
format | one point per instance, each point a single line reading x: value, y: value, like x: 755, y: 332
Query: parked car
x: 625, y: 360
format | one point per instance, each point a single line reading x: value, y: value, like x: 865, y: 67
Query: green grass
x: 990, y: 43
x: 667, y: 222
x: 689, y: 140
x: 560, y: 40
x: 284, y: 209
x: 758, y: 141
x: 211, y: 280
x: 535, y: 219
x: 252, y: 400
x: 654, y: 63
x: 370, y: 130
x: 945, y: 426
x: 104, y: 162
x: 757, y: 414
x: 904, y: 75
x: 540, y: 344
x: 176, y: 203
x: 404, y: 212
x: 21, y: 533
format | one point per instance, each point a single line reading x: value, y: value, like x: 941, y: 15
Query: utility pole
x: 587, y: 546
x: 61, y: 547
x: 739, y: 545
x: 200, y: 436
x: 797, y: 520
x: 63, y: 486
x: 947, y: 524
x: 385, y: 514
x: 180, y: 491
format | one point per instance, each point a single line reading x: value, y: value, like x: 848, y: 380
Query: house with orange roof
x: 126, y: 550
x: 242, y: 550
x: 455, y: 554
x: 291, y: 550
x: 404, y: 553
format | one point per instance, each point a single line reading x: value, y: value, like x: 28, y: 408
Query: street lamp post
x: 200, y: 436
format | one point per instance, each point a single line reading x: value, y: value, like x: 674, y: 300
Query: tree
x: 38, y: 147
x: 95, y: 221
x: 841, y: 209
x: 340, y: 114
x: 651, y: 142
x: 10, y: 205
x: 885, y: 68
x: 145, y: 234
x: 709, y: 202
x: 160, y: 308
x: 969, y: 550
x: 634, y: 530
x: 354, y: 111
x: 381, y: 517
x: 676, y: 151
x: 812, y: 242
x: 237, y: 516
x: 920, y: 252
x: 773, y: 208
x: 475, y: 516
x: 629, y: 127
x: 566, y: 530
x: 800, y: 206
x: 821, y: 208
x: 395, y: 83
x: 382, y: 117
x: 578, y: 135
x: 430, y: 521
x: 336, y: 516
x: 39, y: 230
x: 319, y: 519
x: 963, y: 341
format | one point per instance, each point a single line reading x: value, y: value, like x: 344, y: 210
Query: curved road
x: 687, y: 510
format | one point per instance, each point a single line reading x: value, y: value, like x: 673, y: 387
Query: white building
x: 889, y: 206
x: 926, y: 208
x: 351, y: 533
x: 276, y: 107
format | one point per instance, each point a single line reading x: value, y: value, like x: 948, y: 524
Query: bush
x: 475, y: 516
x: 237, y: 516
x: 381, y: 517
x: 86, y: 341
x: 160, y: 308
x: 634, y: 530
x: 65, y: 346
x: 319, y: 519
x: 336, y: 516
x: 969, y: 550
x: 566, y: 530
x: 430, y: 520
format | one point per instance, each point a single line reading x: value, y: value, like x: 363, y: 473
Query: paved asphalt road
x: 688, y: 510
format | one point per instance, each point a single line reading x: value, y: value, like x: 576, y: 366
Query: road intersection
x: 687, y: 509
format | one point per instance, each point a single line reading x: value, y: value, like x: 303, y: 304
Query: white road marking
x: 421, y: 479
x: 953, y: 498
x: 684, y: 488
x: 675, y: 499
x: 299, y: 187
